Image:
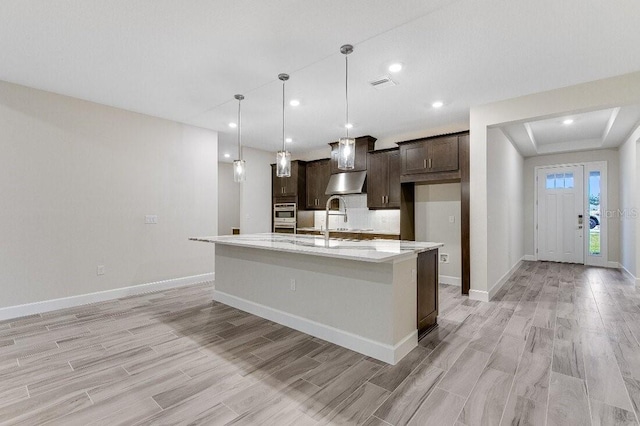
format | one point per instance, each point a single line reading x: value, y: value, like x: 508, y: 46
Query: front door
x: 561, y: 218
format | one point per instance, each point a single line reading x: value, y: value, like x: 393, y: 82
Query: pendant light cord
x: 346, y: 90
x: 239, y: 130
x: 283, y: 141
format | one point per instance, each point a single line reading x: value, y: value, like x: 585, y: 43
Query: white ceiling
x: 607, y: 128
x: 184, y: 61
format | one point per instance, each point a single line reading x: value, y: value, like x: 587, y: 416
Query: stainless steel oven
x: 284, y: 218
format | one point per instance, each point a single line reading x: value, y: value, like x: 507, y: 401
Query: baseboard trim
x: 445, y: 279
x: 613, y: 265
x: 481, y: 295
x: 18, y: 311
x: 486, y: 296
x: 629, y: 274
x: 383, y: 352
x: 529, y: 258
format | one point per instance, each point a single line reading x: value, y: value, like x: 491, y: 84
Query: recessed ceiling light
x: 437, y: 104
x: 233, y: 125
x: 227, y: 156
x: 395, y: 67
x: 294, y: 102
x: 289, y: 140
x: 349, y: 126
x: 568, y: 121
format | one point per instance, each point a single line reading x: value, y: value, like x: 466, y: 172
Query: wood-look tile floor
x: 558, y: 346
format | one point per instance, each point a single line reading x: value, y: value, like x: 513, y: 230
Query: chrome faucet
x: 326, y: 224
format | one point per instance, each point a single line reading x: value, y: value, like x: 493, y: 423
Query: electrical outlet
x: 100, y: 269
x: 452, y: 219
x: 444, y: 258
x: 151, y: 219
x: 293, y: 284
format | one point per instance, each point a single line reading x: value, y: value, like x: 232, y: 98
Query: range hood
x: 346, y: 183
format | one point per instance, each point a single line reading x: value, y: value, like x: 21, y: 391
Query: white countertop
x: 376, y: 251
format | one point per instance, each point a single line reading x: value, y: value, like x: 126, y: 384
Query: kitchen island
x: 368, y: 296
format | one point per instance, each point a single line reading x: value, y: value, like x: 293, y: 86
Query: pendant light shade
x: 239, y: 171
x: 346, y: 145
x: 283, y: 165
x: 346, y: 153
x: 239, y: 166
x: 283, y: 157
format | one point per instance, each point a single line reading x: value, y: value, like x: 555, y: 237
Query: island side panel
x: 350, y: 303
x: 428, y: 299
x: 405, y: 334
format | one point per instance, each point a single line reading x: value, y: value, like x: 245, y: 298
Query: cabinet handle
x: 383, y: 199
x: 424, y: 163
x: 430, y: 162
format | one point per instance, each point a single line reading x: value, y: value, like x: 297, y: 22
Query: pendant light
x: 283, y: 158
x: 346, y: 145
x: 239, y: 166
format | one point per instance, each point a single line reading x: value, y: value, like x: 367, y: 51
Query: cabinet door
x: 318, y: 174
x: 414, y: 157
x: 443, y: 154
x: 290, y: 184
x: 324, y: 174
x: 310, y: 201
x: 313, y: 183
x: 377, y: 179
x: 276, y: 183
x: 394, y: 190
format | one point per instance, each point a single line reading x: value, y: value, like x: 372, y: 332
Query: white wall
x: 628, y: 157
x: 255, y: 193
x: 608, y: 155
x: 77, y: 179
x: 228, y: 199
x: 433, y: 206
x: 504, y: 206
x: 606, y: 93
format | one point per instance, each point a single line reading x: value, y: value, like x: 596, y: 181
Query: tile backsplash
x: 360, y: 217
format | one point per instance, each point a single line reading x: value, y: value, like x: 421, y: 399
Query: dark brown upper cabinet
x: 430, y: 159
x: 293, y: 186
x: 383, y: 176
x: 318, y: 174
x: 364, y: 144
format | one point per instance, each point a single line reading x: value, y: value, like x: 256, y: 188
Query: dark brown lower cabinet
x: 427, y: 291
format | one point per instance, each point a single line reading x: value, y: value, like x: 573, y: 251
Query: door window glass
x: 568, y: 180
x: 559, y: 181
x: 594, y: 213
x: 551, y: 181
